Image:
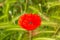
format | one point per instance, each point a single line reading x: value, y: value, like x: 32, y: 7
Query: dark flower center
x: 30, y: 22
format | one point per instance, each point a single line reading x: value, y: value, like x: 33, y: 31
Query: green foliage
x: 10, y: 10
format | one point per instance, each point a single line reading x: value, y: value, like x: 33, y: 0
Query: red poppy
x: 29, y: 21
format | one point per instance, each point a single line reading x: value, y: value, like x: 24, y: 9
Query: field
x: 10, y: 11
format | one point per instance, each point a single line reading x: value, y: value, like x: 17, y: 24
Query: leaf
x: 43, y: 39
x: 54, y: 13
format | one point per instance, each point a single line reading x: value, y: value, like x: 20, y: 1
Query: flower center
x: 30, y: 22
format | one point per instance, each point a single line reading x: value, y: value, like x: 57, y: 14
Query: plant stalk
x: 30, y: 35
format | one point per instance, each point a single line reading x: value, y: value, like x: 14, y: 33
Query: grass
x: 10, y: 10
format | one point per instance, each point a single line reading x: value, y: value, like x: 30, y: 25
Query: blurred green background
x: 49, y: 10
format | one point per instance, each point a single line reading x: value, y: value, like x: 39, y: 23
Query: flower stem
x: 30, y: 35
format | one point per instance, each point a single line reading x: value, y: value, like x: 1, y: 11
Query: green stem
x: 30, y: 35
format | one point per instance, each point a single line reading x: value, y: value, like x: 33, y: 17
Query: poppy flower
x: 29, y: 21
